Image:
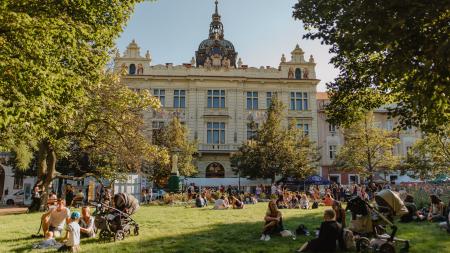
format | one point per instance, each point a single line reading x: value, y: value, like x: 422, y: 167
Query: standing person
x: 69, y: 195
x: 72, y: 238
x: 150, y: 194
x: 258, y: 190
x: 273, y: 222
x: 329, y: 234
x: 144, y: 195
x: 273, y: 189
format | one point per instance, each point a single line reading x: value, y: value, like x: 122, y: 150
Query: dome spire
x: 216, y: 27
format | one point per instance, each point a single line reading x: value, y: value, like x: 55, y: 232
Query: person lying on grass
x: 87, y: 226
x: 222, y: 203
x: 53, y: 221
x: 273, y: 222
x: 236, y: 203
x: 329, y: 234
x: 72, y: 238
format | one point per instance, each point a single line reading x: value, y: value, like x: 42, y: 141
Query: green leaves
x: 276, y: 150
x: 387, y: 52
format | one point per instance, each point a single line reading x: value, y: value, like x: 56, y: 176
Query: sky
x: 261, y: 31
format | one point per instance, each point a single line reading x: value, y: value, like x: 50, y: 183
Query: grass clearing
x: 180, y: 229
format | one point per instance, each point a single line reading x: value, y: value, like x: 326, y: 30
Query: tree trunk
x: 46, y: 170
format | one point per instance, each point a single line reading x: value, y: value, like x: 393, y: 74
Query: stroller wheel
x: 105, y: 235
x: 387, y: 248
x: 119, y: 236
x: 136, y: 230
x: 363, y: 245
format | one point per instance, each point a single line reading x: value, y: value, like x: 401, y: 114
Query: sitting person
x: 51, y: 201
x: 328, y: 200
x: 281, y: 204
x: 329, y: 234
x: 412, y: 214
x: 436, y: 212
x: 72, y: 238
x: 237, y: 203
x: 87, y: 226
x: 304, y: 202
x: 273, y: 222
x: 294, y: 203
x: 221, y: 203
x: 446, y: 224
x: 340, y: 213
x: 79, y: 198
x: 53, y: 221
x: 200, y: 201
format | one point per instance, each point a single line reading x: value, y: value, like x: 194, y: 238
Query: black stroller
x: 115, y: 221
x: 371, y: 222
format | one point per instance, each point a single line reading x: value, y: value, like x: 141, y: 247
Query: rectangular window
x: 179, y: 99
x: 252, y: 100
x: 389, y: 125
x: 252, y: 131
x: 18, y: 182
x: 215, y: 132
x: 269, y: 96
x: 303, y: 127
x: 299, y: 101
x: 332, y: 150
x: 353, y: 179
x: 156, y: 130
x: 332, y: 128
x: 161, y: 95
x: 216, y: 98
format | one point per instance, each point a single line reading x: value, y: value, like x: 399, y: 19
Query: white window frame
x: 350, y: 181
x: 335, y: 175
x: 252, y: 102
x: 161, y: 95
x: 329, y: 152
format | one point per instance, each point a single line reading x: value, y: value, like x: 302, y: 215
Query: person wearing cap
x: 72, y: 238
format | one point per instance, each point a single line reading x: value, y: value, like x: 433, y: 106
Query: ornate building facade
x: 216, y: 96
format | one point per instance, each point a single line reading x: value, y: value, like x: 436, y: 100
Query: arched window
x: 215, y: 170
x: 132, y: 69
x: 298, y: 73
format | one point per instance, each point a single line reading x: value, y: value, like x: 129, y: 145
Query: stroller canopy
x: 390, y: 199
x: 126, y: 203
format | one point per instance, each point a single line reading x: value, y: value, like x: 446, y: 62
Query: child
x: 72, y: 238
x: 329, y: 233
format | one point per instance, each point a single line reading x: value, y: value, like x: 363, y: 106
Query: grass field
x: 180, y: 229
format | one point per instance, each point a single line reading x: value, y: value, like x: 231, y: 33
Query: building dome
x: 216, y: 47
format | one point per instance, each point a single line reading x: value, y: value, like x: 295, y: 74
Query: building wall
x: 236, y: 82
x: 326, y: 138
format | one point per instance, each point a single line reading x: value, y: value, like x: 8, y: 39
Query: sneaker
x: 263, y: 237
x: 267, y: 238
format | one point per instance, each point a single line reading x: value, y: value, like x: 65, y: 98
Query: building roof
x: 322, y: 96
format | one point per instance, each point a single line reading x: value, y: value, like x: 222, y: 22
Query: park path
x: 12, y: 210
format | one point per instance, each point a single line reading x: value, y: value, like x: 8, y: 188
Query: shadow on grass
x: 239, y: 237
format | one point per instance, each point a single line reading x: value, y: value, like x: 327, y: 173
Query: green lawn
x: 180, y: 229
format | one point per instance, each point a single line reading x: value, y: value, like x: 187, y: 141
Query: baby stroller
x: 371, y: 222
x: 116, y: 222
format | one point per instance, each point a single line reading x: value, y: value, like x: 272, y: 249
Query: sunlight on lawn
x: 180, y: 229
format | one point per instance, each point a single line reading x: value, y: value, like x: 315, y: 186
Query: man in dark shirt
x: 329, y: 235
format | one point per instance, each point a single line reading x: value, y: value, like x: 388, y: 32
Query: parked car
x: 16, y: 198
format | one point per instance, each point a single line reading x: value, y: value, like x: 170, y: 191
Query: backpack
x: 349, y: 239
x: 315, y: 205
x: 301, y: 230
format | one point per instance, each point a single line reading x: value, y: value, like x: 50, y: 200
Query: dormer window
x: 298, y: 74
x: 132, y: 69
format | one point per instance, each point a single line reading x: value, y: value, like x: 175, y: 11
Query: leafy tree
x: 52, y: 55
x: 276, y: 150
x: 387, y: 52
x: 429, y: 156
x: 367, y: 148
x: 174, y: 139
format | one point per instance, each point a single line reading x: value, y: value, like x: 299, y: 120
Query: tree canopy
x: 276, y: 150
x: 367, y: 148
x: 387, y: 52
